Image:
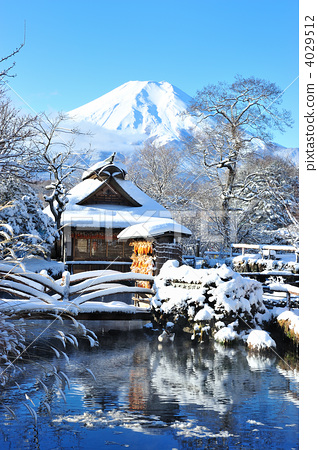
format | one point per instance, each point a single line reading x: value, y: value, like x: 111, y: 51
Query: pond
x: 134, y: 392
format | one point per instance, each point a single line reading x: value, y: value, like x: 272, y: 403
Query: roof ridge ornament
x: 110, y: 159
x: 104, y: 168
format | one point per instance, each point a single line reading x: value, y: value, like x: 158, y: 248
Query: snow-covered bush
x: 227, y: 334
x: 30, y: 229
x: 202, y: 298
x: 256, y: 263
x: 11, y: 345
x: 289, y: 322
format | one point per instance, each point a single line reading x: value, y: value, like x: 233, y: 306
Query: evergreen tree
x: 30, y: 229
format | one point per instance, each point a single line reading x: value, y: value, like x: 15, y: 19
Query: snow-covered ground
x: 36, y: 306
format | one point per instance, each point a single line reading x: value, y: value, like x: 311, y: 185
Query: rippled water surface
x: 140, y: 394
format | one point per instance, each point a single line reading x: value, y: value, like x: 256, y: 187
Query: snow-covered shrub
x: 216, y: 297
x: 11, y: 345
x: 289, y: 322
x: 256, y: 263
x: 30, y: 229
x: 227, y: 334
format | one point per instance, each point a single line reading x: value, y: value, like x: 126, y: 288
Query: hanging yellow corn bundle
x: 142, y: 247
x: 142, y: 260
x: 142, y: 264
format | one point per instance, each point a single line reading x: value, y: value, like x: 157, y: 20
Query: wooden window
x: 99, y: 246
x: 82, y: 249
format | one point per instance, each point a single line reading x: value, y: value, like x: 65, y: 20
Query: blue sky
x: 77, y: 51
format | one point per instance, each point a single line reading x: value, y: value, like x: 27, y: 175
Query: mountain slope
x: 149, y: 108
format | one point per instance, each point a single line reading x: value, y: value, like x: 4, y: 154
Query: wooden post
x: 288, y: 301
x: 197, y: 248
x: 65, y: 282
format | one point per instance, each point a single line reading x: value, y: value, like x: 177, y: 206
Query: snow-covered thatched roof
x: 109, y: 215
x: 134, y: 208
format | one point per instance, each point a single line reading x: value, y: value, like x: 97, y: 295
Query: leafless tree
x: 235, y: 117
x: 267, y: 199
x: 54, y: 144
x: 6, y: 71
x: 159, y: 171
x: 15, y: 129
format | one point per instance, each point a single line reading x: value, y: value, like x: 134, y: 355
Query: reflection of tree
x: 202, y: 395
x: 162, y: 380
x: 214, y: 380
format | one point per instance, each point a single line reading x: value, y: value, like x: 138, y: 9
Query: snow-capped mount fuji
x: 137, y: 111
x: 149, y: 109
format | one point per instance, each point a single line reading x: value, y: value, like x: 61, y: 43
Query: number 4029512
x: 309, y: 40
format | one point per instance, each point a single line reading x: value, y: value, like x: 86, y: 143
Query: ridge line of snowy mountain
x: 140, y: 107
x: 137, y: 111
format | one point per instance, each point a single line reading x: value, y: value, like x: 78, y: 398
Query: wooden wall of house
x: 118, y: 266
x: 103, y: 245
x: 98, y: 245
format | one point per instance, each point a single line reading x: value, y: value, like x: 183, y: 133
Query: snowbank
x: 260, y: 340
x: 226, y: 334
x: 27, y: 308
x: 37, y: 264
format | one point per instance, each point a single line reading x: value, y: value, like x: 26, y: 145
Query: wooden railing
x: 286, y: 289
x: 77, y: 289
x: 267, y: 250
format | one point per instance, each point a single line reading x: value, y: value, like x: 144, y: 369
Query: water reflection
x: 213, y: 378
x: 178, y: 393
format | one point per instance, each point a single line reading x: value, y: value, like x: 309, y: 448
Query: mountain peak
x: 149, y: 108
x: 137, y: 111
